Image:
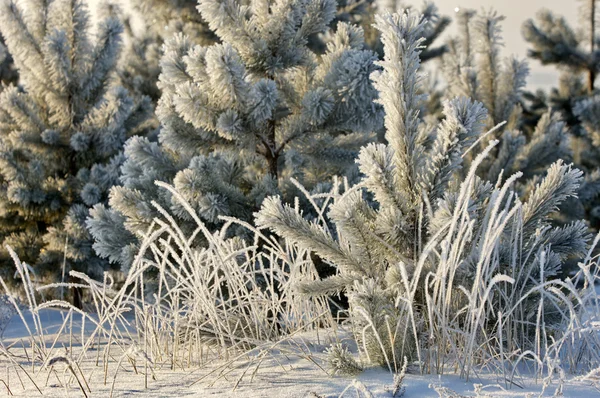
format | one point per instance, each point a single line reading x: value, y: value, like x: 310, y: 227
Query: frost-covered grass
x: 460, y: 307
x: 179, y: 307
x: 230, y: 317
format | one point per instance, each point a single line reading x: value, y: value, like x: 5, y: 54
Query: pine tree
x: 138, y: 68
x: 473, y: 67
x: 436, y: 25
x: 161, y: 19
x: 61, y: 132
x: 241, y: 118
x: 576, y: 53
x: 166, y: 18
x: 554, y: 42
x: 155, y: 22
x: 382, y: 229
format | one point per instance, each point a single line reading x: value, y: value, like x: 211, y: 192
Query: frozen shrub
x: 423, y: 249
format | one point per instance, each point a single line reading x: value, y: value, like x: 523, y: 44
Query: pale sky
x: 516, y: 12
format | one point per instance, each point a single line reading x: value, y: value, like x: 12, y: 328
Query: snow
x: 288, y: 376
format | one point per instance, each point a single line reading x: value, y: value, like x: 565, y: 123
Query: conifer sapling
x: 241, y: 118
x: 61, y: 131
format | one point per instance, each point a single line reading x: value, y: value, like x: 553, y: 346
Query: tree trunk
x: 592, y: 70
x: 271, y: 154
x: 76, y: 294
x: 77, y: 297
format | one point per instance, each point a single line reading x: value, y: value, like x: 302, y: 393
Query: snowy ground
x: 287, y: 377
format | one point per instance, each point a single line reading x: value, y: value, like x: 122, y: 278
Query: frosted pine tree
x: 381, y: 229
x: 138, y: 68
x: 148, y: 24
x: 241, y: 118
x: 576, y: 53
x: 61, y: 132
x: 165, y: 18
x: 158, y: 20
x: 436, y: 25
x: 474, y: 67
x: 362, y: 13
x: 555, y: 42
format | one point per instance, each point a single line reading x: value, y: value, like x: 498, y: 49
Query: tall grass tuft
x: 179, y: 307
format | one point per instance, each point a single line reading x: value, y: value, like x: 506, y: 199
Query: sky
x: 516, y: 12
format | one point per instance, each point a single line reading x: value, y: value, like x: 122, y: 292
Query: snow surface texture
x: 290, y: 378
